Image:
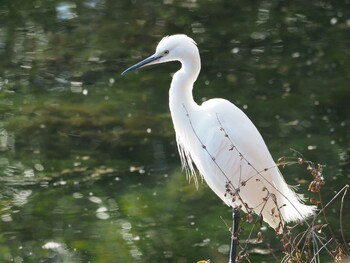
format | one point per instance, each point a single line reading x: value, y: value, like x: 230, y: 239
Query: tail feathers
x: 293, y: 209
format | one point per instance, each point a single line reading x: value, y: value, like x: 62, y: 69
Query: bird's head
x: 170, y: 48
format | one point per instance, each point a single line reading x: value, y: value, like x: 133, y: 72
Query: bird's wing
x: 238, y: 167
x: 233, y: 146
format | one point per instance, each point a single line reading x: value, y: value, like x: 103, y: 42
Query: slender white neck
x: 181, y: 101
x: 180, y: 93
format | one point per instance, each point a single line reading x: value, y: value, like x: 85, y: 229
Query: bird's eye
x: 166, y: 52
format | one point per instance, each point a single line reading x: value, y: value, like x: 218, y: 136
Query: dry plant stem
x: 234, y: 235
x: 334, y: 197
x: 341, y: 220
x: 319, y: 250
x: 322, y: 212
x: 309, y: 234
x: 255, y: 224
x: 326, y: 220
x: 225, y: 223
x: 344, y: 189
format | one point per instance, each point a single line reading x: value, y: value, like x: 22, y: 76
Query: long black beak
x: 148, y: 61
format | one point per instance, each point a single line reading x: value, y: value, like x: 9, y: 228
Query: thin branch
x: 329, y: 202
x: 341, y: 219
x: 318, y: 251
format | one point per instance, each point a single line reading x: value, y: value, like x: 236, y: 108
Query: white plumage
x: 224, y: 144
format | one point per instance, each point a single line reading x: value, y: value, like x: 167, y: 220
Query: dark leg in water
x: 234, y: 237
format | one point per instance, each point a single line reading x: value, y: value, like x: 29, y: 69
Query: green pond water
x: 89, y: 169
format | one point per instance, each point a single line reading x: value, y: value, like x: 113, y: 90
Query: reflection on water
x: 89, y: 165
x: 65, y: 11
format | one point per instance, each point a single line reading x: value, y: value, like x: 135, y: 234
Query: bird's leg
x: 234, y: 235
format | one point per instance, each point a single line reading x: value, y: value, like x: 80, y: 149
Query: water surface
x: 89, y: 164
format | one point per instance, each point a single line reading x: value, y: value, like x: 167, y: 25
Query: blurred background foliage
x: 89, y: 164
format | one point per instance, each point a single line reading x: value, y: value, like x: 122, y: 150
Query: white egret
x: 224, y: 144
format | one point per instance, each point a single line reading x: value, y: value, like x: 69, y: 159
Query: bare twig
x: 341, y: 219
x: 234, y: 235
x: 319, y: 250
